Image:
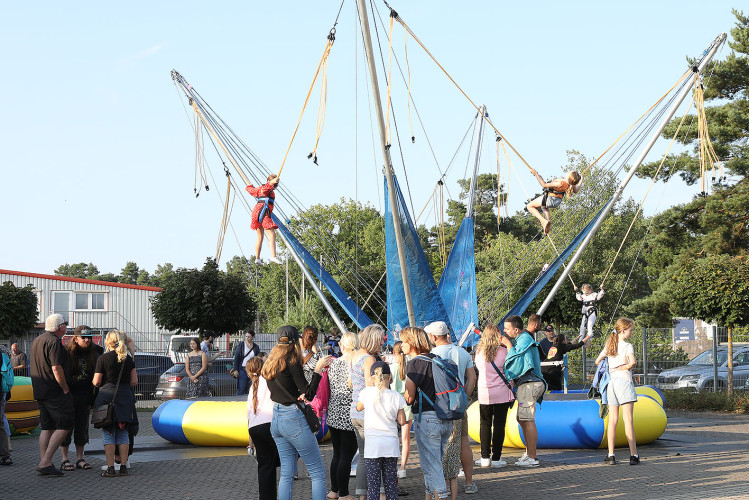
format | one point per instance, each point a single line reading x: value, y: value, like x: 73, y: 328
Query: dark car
x: 173, y: 382
x: 149, y: 368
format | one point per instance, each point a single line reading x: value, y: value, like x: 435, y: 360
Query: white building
x: 101, y: 305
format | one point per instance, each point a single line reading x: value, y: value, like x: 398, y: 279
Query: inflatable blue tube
x: 561, y: 425
x: 167, y: 420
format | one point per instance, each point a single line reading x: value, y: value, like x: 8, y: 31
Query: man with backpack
x: 6, y: 380
x: 458, y: 450
x: 523, y: 367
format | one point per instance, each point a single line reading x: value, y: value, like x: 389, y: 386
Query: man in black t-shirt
x: 548, y: 341
x: 50, y: 369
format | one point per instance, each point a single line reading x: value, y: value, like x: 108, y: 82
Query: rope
x: 389, y: 88
x: 707, y: 156
x: 320, y: 67
x: 652, y: 182
x: 408, y: 100
x: 225, y: 218
x: 559, y: 255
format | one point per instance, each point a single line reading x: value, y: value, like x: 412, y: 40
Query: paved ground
x: 701, y: 455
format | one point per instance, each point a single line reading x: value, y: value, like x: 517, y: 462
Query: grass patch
x: 683, y: 399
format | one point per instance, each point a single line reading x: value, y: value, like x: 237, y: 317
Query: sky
x: 98, y: 154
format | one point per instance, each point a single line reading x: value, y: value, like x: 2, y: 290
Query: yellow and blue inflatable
x: 207, y: 423
x: 575, y: 423
x: 21, y: 409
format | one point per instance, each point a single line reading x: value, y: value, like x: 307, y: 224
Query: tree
x: 80, y: 270
x: 716, y: 289
x: 130, y: 273
x: 206, y: 299
x: 18, y: 309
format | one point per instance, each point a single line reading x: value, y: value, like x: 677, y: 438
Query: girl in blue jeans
x: 431, y: 432
x: 287, y: 385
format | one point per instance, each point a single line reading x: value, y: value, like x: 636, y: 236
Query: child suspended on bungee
x: 590, y: 299
x: 554, y: 191
x: 261, y: 216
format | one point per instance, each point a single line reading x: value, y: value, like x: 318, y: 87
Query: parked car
x: 698, y: 373
x: 173, y: 382
x: 149, y: 368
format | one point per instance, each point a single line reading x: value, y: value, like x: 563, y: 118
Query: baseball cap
x: 438, y: 328
x: 53, y: 322
x: 549, y: 328
x: 380, y: 364
x: 287, y: 335
x: 83, y: 331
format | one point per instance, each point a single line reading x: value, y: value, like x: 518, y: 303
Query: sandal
x: 66, y: 466
x: 109, y: 472
x: 82, y: 464
x: 6, y: 461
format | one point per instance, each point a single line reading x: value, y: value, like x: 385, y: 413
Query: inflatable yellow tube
x: 21, y: 409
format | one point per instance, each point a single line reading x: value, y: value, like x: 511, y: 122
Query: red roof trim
x: 81, y: 280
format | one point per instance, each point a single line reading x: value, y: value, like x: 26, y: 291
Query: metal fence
x: 658, y: 354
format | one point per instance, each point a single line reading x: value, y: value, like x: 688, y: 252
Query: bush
x: 684, y: 399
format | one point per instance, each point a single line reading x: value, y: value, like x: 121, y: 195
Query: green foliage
x: 206, y: 299
x: 682, y: 399
x: 80, y: 270
x: 18, y: 312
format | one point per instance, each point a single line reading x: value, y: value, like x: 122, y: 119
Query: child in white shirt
x: 383, y: 412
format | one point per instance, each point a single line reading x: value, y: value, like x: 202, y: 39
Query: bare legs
x: 109, y: 453
x: 533, y: 207
x: 259, y: 243
x: 272, y: 241
x: 530, y: 433
x: 405, y: 443
x: 49, y: 441
x: 271, y: 233
x: 466, y: 455
x: 629, y: 428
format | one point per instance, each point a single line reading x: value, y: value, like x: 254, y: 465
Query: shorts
x: 550, y: 201
x: 56, y: 413
x: 527, y: 395
x: 115, y: 436
x: 620, y: 391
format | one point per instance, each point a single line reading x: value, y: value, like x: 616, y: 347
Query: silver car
x: 698, y: 373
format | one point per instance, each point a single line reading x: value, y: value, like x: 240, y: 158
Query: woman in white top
x: 398, y: 384
x: 259, y: 416
x: 384, y: 410
x: 620, y: 390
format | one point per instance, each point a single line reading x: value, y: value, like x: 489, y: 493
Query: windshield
x: 706, y: 358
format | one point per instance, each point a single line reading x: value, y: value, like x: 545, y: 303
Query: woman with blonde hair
x: 339, y: 419
x: 371, y: 339
x: 554, y: 191
x: 432, y: 432
x: 259, y: 417
x: 398, y: 384
x: 115, y: 374
x: 620, y: 391
x: 494, y: 395
x: 289, y: 427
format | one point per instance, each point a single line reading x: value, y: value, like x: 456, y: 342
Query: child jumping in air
x: 554, y: 191
x: 261, y: 220
x: 590, y: 299
x: 384, y: 410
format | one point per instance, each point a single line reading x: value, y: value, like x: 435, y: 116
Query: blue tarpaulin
x: 428, y: 306
x: 457, y: 286
x: 345, y: 301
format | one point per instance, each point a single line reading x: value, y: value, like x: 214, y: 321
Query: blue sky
x: 98, y: 154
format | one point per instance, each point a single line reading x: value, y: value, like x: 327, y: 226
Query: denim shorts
x: 620, y: 391
x: 114, y: 436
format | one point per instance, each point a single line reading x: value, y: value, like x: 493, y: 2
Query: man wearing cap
x: 50, y: 368
x: 548, y: 341
x: 439, y: 334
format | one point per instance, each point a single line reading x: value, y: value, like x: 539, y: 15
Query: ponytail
x: 401, y: 359
x: 253, y: 367
x: 575, y: 180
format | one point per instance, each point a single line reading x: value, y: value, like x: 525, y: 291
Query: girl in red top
x: 261, y: 220
x: 554, y: 191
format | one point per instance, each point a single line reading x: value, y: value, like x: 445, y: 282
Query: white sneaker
x: 461, y: 473
x: 471, y: 488
x: 352, y: 473
x: 498, y: 464
x: 275, y: 260
x: 483, y: 462
x: 258, y: 262
x: 401, y: 473
x: 526, y: 461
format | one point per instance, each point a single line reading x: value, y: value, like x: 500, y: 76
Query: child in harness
x: 554, y: 191
x: 261, y: 220
x: 590, y: 299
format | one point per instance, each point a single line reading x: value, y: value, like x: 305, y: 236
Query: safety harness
x: 267, y: 201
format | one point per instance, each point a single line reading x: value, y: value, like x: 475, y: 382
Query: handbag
x: 103, y: 415
x: 307, y: 411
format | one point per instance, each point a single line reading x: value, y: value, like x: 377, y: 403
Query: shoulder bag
x: 307, y: 411
x: 103, y: 415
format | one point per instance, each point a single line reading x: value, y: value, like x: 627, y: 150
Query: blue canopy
x: 346, y: 302
x: 428, y: 306
x: 457, y: 286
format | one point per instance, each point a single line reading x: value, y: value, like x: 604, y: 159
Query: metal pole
x: 644, y: 356
x: 707, y: 55
x: 287, y: 285
x: 312, y: 283
x: 715, y: 359
x: 472, y: 191
x: 388, y: 166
